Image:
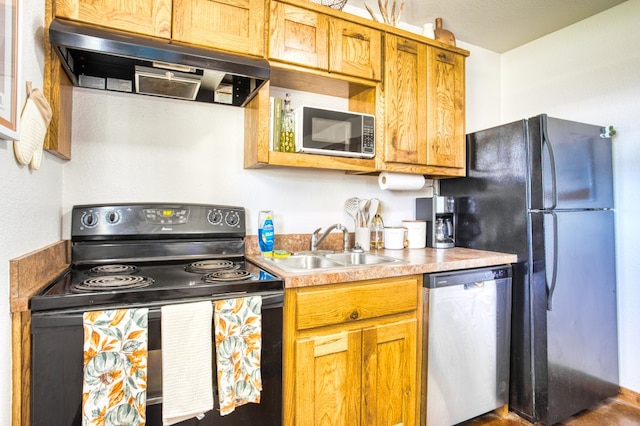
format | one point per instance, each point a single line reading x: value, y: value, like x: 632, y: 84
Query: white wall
x: 175, y: 151
x: 30, y: 201
x: 128, y: 148
x: 590, y: 72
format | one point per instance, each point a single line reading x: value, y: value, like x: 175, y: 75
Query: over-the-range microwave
x: 334, y: 132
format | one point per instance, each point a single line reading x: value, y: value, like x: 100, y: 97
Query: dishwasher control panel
x: 467, y: 276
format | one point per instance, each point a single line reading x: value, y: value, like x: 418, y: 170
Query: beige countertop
x: 415, y: 261
x: 29, y: 273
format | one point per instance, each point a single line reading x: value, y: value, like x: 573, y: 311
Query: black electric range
x: 149, y: 256
x: 144, y: 253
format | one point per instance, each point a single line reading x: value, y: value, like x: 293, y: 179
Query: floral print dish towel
x: 114, y: 388
x: 238, y: 332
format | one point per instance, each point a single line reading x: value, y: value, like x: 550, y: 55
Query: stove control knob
x: 113, y: 217
x: 89, y: 219
x: 215, y: 217
x: 232, y: 219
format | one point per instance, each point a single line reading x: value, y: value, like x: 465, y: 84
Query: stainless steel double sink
x: 308, y: 261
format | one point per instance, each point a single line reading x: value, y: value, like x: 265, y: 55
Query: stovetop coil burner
x: 207, y: 266
x: 225, y: 276
x: 113, y: 270
x: 111, y: 282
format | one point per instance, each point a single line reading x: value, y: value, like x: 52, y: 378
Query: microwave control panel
x: 368, y: 135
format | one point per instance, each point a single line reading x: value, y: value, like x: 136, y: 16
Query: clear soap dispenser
x: 377, y: 232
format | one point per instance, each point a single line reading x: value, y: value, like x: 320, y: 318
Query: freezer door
x: 581, y: 350
x: 571, y: 165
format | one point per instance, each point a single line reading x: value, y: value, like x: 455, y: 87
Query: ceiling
x: 497, y: 25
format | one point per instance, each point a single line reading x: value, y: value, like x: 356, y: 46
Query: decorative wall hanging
x: 9, y: 60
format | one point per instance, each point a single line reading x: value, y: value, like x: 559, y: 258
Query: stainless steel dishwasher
x: 466, y: 337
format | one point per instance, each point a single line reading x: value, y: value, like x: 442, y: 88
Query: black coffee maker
x: 440, y: 214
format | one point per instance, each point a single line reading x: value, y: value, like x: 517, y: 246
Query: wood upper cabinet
x: 446, y: 109
x: 149, y: 17
x: 314, y: 40
x: 351, y: 352
x: 355, y: 49
x: 405, y: 101
x: 58, y: 89
x: 318, y: 52
x: 298, y: 36
x: 424, y: 128
x: 233, y: 25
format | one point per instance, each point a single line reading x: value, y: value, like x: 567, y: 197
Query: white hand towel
x: 187, y: 384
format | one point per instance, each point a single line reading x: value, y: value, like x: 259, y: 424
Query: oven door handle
x: 73, y: 317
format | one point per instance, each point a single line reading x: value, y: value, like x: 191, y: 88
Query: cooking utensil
x: 351, y: 206
x: 363, y: 209
x: 372, y: 210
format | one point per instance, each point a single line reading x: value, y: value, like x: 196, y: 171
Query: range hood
x: 110, y: 60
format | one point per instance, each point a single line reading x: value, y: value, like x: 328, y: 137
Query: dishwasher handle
x: 474, y: 285
x: 466, y: 277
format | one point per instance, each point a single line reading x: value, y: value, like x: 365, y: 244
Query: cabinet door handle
x: 354, y: 315
x: 442, y: 56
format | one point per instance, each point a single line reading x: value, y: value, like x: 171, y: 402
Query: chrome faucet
x: 316, y: 239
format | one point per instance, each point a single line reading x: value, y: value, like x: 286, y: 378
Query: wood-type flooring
x: 612, y: 412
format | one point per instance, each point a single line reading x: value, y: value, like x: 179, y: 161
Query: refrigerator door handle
x: 554, y: 179
x: 551, y: 287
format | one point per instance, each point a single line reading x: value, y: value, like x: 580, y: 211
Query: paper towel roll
x: 400, y: 181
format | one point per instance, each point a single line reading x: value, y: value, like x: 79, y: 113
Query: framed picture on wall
x: 9, y: 60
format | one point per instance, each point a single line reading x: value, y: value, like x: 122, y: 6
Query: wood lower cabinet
x: 424, y: 127
x: 351, y: 353
x: 390, y: 369
x: 232, y: 25
x: 328, y: 379
x: 149, y: 17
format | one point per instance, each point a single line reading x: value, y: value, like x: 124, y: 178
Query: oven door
x: 57, y: 368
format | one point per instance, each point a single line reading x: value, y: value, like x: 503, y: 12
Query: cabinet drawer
x: 329, y: 305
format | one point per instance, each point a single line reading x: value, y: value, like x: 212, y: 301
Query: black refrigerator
x: 543, y: 188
